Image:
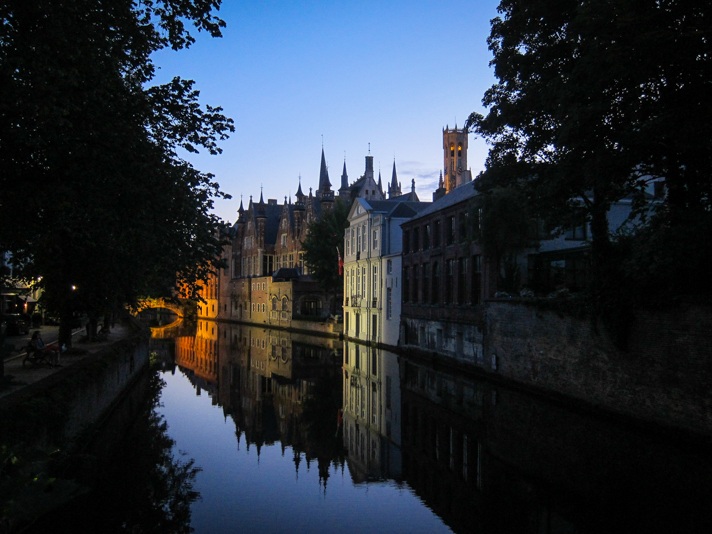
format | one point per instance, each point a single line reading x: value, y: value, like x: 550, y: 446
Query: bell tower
x: 455, y: 170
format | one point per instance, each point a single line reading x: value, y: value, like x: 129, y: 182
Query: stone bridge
x: 148, y: 304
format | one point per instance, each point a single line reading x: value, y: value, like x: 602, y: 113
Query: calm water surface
x: 272, y: 487
x: 245, y: 429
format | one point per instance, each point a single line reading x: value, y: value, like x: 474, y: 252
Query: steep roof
x: 457, y: 195
x: 324, y: 183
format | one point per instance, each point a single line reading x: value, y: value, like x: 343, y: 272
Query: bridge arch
x: 147, y: 304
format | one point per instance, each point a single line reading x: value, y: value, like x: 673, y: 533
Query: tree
x: 594, y: 100
x: 324, y: 236
x: 505, y: 231
x: 96, y: 203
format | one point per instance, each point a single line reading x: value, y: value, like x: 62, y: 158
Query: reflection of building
x: 371, y: 418
x: 443, y: 431
x: 198, y: 356
x: 277, y: 386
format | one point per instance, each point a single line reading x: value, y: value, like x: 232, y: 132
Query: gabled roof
x: 390, y: 208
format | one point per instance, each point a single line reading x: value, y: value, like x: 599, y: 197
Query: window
x: 416, y: 279
x: 436, y: 283
x: 426, y: 237
x: 406, y: 284
x: 416, y: 239
x: 389, y: 303
x: 462, y: 226
x: 375, y: 239
x: 426, y: 282
x: 461, y: 278
x: 389, y: 266
x: 283, y: 240
x: 436, y: 233
x: 577, y: 232
x: 374, y: 288
x: 388, y: 392
x: 363, y: 281
x: 476, y: 279
x: 451, y: 230
x: 406, y: 241
x: 449, y: 280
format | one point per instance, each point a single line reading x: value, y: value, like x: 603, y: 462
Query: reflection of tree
x: 139, y: 484
x: 320, y: 423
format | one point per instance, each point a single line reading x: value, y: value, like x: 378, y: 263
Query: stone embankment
x: 43, y: 407
x: 662, y: 377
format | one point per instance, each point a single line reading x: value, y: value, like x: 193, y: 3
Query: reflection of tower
x: 455, y: 158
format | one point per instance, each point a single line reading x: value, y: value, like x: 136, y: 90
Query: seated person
x: 39, y: 345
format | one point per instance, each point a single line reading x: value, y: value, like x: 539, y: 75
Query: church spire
x: 344, y: 177
x: 394, y: 188
x: 324, y: 183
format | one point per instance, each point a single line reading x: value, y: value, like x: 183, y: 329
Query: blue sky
x: 294, y: 75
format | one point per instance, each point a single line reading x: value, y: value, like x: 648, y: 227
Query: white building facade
x: 372, y: 269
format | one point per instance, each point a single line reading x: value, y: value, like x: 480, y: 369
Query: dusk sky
x: 296, y: 74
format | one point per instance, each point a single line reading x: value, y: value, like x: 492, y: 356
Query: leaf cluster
x: 324, y: 235
x: 94, y: 197
x: 593, y: 101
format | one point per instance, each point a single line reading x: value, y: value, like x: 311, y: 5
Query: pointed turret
x: 324, y: 183
x: 240, y: 210
x: 344, y: 178
x: 394, y: 188
x: 344, y: 190
x: 260, y: 211
x: 300, y: 196
x: 380, y: 182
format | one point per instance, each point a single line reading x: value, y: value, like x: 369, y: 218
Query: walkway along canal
x: 48, y: 415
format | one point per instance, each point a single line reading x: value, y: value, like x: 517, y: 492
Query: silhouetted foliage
x: 505, y: 232
x: 95, y: 198
x: 320, y: 246
x: 593, y: 101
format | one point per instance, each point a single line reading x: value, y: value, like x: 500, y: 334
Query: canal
x: 246, y: 429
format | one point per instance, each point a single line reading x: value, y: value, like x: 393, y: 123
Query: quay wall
x: 662, y: 376
x: 54, y: 412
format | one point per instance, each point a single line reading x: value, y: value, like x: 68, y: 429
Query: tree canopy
x: 594, y: 100
x: 325, y: 235
x: 96, y: 204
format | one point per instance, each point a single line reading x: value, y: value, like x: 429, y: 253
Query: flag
x: 341, y: 262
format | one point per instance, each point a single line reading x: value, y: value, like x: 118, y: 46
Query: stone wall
x: 663, y: 377
x: 56, y: 410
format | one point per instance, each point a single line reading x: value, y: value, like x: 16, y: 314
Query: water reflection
x: 276, y: 386
x: 286, y: 431
x: 492, y: 459
x: 138, y: 481
x: 479, y: 455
